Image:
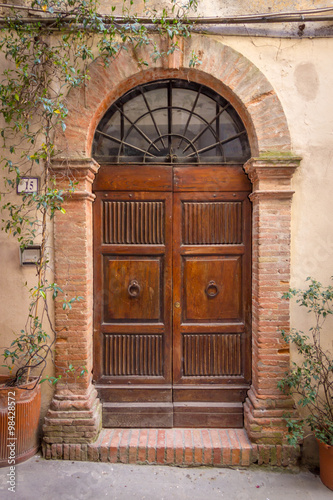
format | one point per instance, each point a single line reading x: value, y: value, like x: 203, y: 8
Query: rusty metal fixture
x: 212, y: 289
x: 134, y: 289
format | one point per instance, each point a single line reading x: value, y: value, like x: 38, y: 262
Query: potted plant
x: 310, y: 379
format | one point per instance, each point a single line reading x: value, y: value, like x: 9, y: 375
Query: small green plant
x: 311, y: 379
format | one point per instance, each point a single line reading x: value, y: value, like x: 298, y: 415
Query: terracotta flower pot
x: 326, y: 464
x: 19, y: 433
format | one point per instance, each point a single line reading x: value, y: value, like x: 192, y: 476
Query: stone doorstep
x: 186, y: 447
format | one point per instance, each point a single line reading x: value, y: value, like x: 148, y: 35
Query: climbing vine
x: 48, y: 45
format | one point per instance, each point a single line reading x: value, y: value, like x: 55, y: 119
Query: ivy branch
x: 48, y: 45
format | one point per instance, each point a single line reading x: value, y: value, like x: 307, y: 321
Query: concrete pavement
x: 68, y: 480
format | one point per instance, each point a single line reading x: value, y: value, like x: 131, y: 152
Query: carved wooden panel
x: 133, y: 222
x: 132, y: 288
x: 176, y: 260
x: 139, y: 355
x: 212, y: 288
x: 211, y: 355
x: 212, y: 223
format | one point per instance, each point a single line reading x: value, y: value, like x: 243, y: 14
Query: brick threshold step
x: 177, y: 446
x: 224, y: 447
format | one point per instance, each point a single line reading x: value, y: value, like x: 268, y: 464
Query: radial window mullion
x: 171, y: 120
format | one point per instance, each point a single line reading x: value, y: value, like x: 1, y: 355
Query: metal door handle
x: 134, y: 288
x: 212, y: 289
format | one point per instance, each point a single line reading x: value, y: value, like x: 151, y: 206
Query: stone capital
x: 81, y: 171
x: 271, y: 174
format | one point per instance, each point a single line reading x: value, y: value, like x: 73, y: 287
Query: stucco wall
x: 15, y: 281
x: 302, y: 76
x: 301, y: 73
x: 227, y: 7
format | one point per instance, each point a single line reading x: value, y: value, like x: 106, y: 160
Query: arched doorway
x: 74, y: 418
x: 172, y: 259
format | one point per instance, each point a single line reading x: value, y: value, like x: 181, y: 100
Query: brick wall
x: 75, y: 413
x: 271, y: 198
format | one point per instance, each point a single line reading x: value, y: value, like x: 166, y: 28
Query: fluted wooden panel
x: 212, y: 223
x: 133, y: 222
x: 212, y: 355
x: 133, y: 355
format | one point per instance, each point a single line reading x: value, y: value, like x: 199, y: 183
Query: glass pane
x: 134, y: 108
x: 194, y: 125
x: 233, y: 149
x: 227, y: 127
x: 206, y: 107
x: 157, y: 98
x: 161, y: 119
x: 204, y: 141
x: 103, y: 146
x: 183, y: 98
x: 179, y: 121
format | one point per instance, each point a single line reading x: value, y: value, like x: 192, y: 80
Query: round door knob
x: 212, y: 289
x: 134, y: 289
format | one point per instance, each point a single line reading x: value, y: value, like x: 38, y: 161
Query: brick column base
x: 264, y: 418
x: 73, y: 418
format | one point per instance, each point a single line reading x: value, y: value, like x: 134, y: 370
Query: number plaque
x: 28, y: 185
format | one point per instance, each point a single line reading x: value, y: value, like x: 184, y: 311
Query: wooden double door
x: 172, y: 284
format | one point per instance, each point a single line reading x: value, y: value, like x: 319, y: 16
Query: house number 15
x: 28, y: 185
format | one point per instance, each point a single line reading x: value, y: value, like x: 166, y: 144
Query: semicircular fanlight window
x: 171, y: 121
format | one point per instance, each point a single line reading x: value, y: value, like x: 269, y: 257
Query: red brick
x: 59, y: 451
x: 66, y: 452
x: 105, y: 445
x: 72, y: 451
x: 93, y: 453
x: 152, y: 446
x: 54, y: 450
x: 235, y: 447
x: 47, y: 451
x: 208, y: 455
x: 179, y: 446
x: 188, y: 447
x: 226, y: 447
x: 114, y: 445
x: 160, y: 446
x: 198, y: 446
x: 123, y: 446
x: 133, y: 446
x: 169, y: 441
x: 216, y: 442
x: 246, y: 447
x: 142, y: 446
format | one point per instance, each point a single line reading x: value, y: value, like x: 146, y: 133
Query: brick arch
x: 223, y: 69
x: 74, y: 421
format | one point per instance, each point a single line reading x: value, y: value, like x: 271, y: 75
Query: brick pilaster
x: 75, y: 413
x: 271, y: 198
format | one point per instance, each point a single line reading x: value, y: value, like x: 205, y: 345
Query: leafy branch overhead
x: 48, y: 45
x: 311, y: 379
